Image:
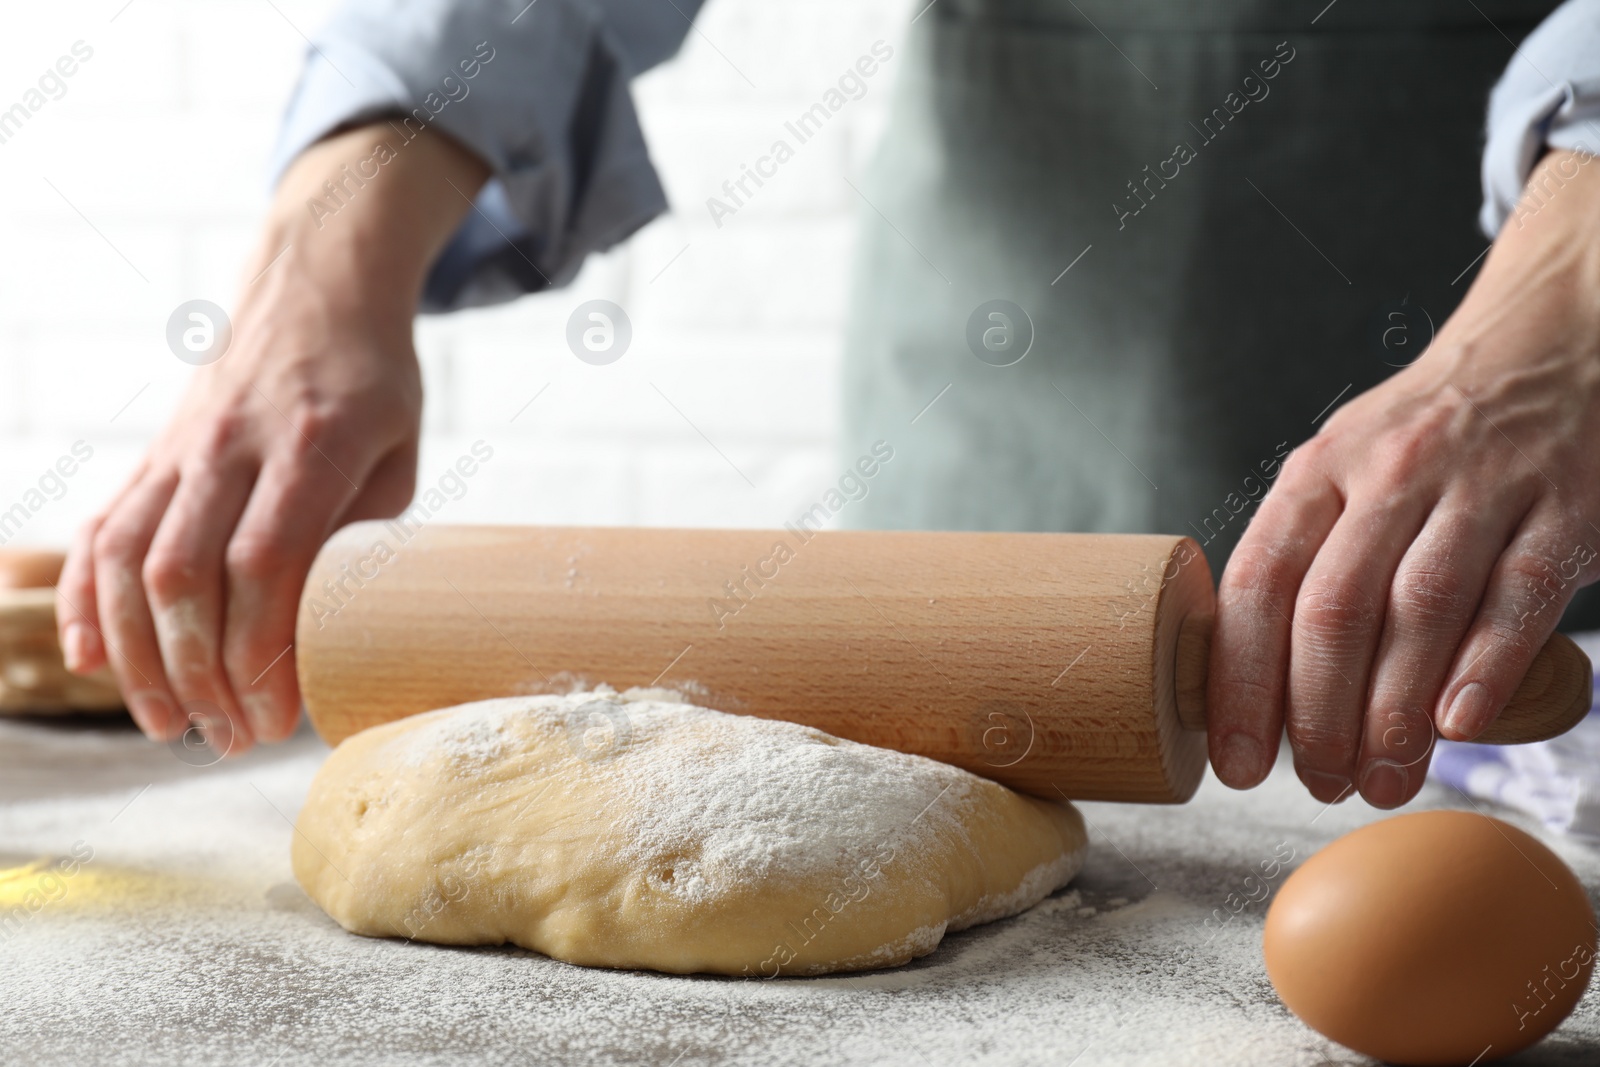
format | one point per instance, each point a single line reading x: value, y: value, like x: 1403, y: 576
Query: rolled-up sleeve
x: 1548, y: 97
x: 538, y: 90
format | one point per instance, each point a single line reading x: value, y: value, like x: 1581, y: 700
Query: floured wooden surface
x: 184, y: 939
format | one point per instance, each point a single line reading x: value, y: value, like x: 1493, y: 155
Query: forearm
x: 365, y: 212
x: 1543, y: 275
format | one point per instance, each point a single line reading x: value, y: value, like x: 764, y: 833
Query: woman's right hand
x: 188, y: 582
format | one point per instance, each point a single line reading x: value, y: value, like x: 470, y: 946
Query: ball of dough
x: 627, y: 831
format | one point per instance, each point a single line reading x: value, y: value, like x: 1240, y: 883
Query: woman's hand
x: 1414, y: 556
x: 188, y: 582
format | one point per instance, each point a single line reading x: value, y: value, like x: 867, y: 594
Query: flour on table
x: 184, y: 940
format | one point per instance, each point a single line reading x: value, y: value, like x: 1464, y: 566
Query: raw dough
x: 630, y: 831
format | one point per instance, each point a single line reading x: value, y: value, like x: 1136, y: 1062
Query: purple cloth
x: 1556, y: 781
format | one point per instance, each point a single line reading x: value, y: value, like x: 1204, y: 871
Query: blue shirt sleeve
x: 538, y: 90
x: 1548, y: 97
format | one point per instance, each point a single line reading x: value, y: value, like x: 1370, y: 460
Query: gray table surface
x: 185, y: 940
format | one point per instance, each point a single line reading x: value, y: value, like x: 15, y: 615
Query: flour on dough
x: 637, y: 832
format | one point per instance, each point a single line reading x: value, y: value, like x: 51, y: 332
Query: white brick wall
x: 161, y: 141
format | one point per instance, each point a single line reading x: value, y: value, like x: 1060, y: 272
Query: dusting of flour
x: 720, y: 807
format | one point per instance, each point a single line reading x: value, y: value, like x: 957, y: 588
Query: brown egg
x: 1440, y: 937
x: 29, y: 568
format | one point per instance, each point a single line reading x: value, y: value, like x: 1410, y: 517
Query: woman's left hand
x: 1413, y: 556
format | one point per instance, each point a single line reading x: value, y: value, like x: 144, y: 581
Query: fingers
x: 126, y: 627
x: 1435, y: 592
x: 297, y: 502
x: 1248, y: 672
x: 183, y: 581
x: 197, y: 581
x: 77, y: 622
x: 1531, y: 583
x: 78, y: 626
x: 1338, y: 620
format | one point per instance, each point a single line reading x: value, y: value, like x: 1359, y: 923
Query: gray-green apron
x: 1220, y: 219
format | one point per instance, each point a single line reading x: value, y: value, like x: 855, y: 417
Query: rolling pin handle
x: 1553, y: 697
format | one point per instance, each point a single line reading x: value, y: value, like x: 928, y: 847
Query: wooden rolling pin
x: 1058, y: 664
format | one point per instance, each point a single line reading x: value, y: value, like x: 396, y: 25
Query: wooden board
x: 33, y: 677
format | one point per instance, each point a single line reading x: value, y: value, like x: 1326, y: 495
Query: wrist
x: 1561, y: 200
x: 365, y: 212
x: 1540, y: 283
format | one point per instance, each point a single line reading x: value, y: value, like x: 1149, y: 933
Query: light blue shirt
x: 540, y: 91
x: 1549, y: 97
